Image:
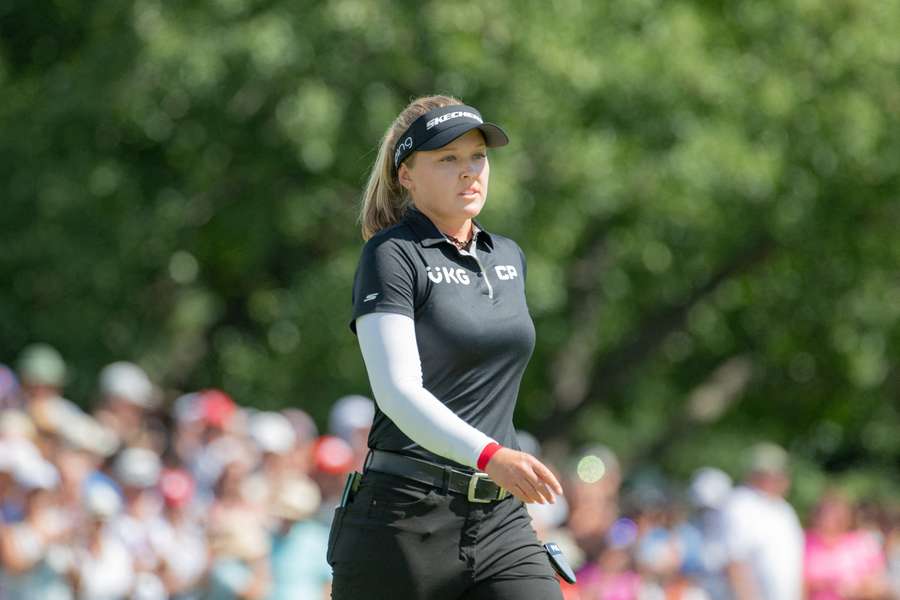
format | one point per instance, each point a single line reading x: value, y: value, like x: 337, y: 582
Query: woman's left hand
x: 523, y: 475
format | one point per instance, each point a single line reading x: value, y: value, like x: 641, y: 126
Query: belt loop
x: 368, y: 459
x: 445, y: 484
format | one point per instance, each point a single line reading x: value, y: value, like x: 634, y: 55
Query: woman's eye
x: 448, y: 158
x: 480, y: 155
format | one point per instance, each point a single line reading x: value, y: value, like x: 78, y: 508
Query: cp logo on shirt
x: 505, y: 272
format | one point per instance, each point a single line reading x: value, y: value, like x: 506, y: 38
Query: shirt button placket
x: 484, y: 284
x: 486, y: 289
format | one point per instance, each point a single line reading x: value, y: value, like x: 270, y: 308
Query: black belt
x: 477, y: 487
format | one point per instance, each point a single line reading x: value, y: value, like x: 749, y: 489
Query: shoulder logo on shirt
x: 448, y: 274
x: 370, y: 297
x: 506, y: 272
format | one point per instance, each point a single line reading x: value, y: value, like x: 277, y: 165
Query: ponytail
x: 384, y: 200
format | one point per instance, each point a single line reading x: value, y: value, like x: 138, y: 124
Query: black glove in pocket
x: 559, y: 562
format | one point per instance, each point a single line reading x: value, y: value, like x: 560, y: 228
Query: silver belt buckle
x: 473, y: 483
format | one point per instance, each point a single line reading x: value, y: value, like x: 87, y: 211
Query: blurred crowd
x: 713, y: 538
x: 197, y: 497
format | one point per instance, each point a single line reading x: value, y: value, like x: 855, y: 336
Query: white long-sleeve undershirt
x: 391, y: 354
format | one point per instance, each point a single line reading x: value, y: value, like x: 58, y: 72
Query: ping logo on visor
x: 405, y: 145
x: 440, y: 126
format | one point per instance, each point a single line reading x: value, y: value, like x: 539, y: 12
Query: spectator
x: 103, y: 567
x: 239, y: 541
x: 333, y: 458
x: 188, y: 428
x: 6, y: 484
x: 6, y: 477
x: 299, y: 569
x: 592, y: 485
x: 75, y: 468
x: 275, y: 439
x: 305, y: 433
x: 137, y: 471
x: 12, y: 496
x: 892, y: 549
x: 32, y: 550
x: 10, y: 393
x: 351, y: 419
x: 42, y: 372
x: 58, y: 420
x: 127, y: 399
x: 669, y: 553
x: 218, y: 418
x: 612, y: 574
x: 180, y: 539
x: 763, y: 537
x: 709, y: 489
x: 842, y: 562
x: 240, y: 568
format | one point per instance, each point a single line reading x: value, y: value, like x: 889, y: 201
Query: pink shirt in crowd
x: 593, y: 584
x: 830, y: 567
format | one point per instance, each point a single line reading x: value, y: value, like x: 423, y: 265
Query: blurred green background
x: 706, y: 192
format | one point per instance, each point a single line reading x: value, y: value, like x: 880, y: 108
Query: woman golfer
x: 440, y: 314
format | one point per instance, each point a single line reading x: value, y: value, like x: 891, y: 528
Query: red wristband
x: 486, y: 454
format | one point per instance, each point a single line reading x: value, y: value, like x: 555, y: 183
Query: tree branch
x: 615, y: 366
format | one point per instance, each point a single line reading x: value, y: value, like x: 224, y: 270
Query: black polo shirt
x: 473, y: 328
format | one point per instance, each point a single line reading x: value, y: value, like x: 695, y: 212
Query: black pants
x: 399, y: 539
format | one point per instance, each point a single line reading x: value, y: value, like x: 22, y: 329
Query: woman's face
x: 449, y: 184
x: 834, y: 516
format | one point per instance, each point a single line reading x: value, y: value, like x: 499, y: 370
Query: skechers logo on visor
x: 453, y: 115
x: 424, y: 130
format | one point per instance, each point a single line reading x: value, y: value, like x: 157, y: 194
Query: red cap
x: 218, y: 407
x: 176, y: 487
x: 332, y: 455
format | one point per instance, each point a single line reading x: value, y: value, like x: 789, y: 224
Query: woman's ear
x: 403, y: 177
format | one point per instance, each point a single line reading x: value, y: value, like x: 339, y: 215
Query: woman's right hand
x: 527, y: 478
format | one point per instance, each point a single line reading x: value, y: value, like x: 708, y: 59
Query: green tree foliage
x: 706, y: 193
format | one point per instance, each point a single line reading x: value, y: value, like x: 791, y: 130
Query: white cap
x: 101, y: 499
x: 766, y: 457
x: 550, y: 515
x: 87, y: 433
x: 295, y: 499
x: 350, y: 413
x: 18, y: 451
x: 137, y: 467
x: 17, y: 448
x: 127, y: 381
x: 64, y: 418
x: 709, y: 487
x: 16, y: 424
x: 272, y: 432
x: 188, y: 408
x: 228, y: 449
x: 304, y: 427
x: 42, y: 364
x: 23, y: 461
x: 35, y: 473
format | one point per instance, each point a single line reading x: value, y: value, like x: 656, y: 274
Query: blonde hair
x: 384, y: 200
